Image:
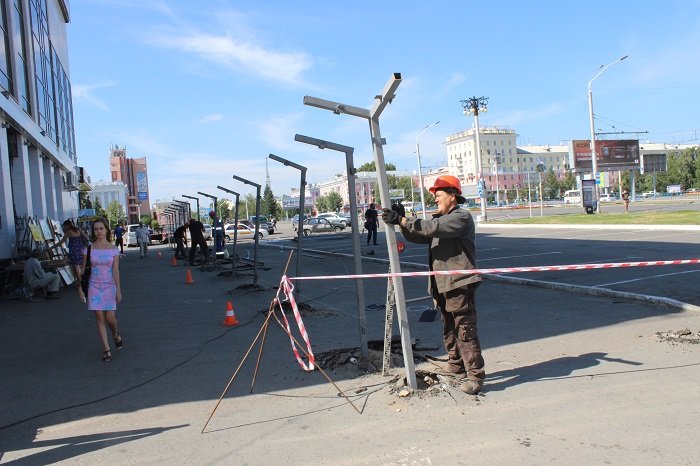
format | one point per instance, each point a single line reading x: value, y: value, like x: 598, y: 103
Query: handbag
x: 85, y: 278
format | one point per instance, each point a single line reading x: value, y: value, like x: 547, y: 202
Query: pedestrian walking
x: 119, y: 237
x: 77, y: 242
x: 143, y: 238
x: 371, y: 224
x: 450, y: 235
x: 104, y: 290
x: 626, y: 199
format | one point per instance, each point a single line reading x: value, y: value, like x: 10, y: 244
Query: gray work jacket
x: 452, y: 247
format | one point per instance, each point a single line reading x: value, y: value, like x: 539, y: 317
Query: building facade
x: 38, y: 176
x: 134, y: 174
x: 108, y: 192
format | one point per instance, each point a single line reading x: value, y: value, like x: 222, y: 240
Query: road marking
x: 644, y: 278
x: 514, y: 257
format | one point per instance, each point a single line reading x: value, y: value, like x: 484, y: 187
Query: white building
x: 108, y: 192
x: 37, y: 143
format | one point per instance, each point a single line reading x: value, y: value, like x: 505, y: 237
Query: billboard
x: 621, y: 154
x: 142, y: 186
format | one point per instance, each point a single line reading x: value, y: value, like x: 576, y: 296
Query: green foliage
x: 331, y: 202
x: 395, y: 182
x: 115, y: 213
x: 270, y: 206
x: 551, y: 185
x: 372, y: 167
x: 224, y: 208
x: 146, y: 219
x: 99, y: 210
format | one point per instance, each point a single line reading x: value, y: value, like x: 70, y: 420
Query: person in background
x: 371, y: 223
x: 77, y: 242
x: 180, y: 240
x: 143, y: 237
x: 104, y: 291
x: 36, y: 277
x: 626, y: 199
x: 450, y: 235
x: 197, y: 239
x: 119, y: 237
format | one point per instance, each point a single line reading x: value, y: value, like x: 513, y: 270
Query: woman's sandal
x: 107, y: 356
x: 118, y: 342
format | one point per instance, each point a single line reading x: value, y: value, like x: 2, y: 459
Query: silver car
x: 318, y: 225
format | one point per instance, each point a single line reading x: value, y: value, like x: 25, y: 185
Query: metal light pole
x: 372, y: 115
x: 474, y: 105
x: 594, y: 156
x: 257, y: 225
x: 302, y: 199
x: 496, y: 159
x: 420, y: 169
x: 215, y: 221
x: 357, y: 253
x: 235, y: 222
x: 196, y: 199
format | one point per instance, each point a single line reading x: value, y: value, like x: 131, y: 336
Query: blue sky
x: 208, y: 89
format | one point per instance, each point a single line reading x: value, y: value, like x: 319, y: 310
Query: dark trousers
x: 202, y: 243
x: 372, y: 233
x: 120, y: 242
x: 180, y: 250
x: 458, y: 314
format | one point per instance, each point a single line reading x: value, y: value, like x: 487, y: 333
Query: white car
x: 243, y: 232
x: 334, y: 218
x: 608, y: 198
x: 130, y: 235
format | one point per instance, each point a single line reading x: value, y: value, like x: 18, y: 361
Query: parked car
x: 295, y: 219
x: 160, y: 235
x: 334, y: 218
x: 648, y: 194
x: 244, y: 231
x: 608, y: 198
x: 130, y: 235
x: 207, y: 231
x: 318, y: 225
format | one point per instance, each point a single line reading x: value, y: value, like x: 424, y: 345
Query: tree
x: 224, y: 208
x: 115, y: 213
x: 270, y: 206
x: 551, y: 185
x: 394, y: 182
x: 99, y: 210
x: 372, y: 167
x: 146, y: 219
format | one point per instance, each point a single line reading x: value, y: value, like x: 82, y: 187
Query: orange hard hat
x: 446, y: 181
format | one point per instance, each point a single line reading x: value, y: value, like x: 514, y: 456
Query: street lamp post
x: 257, y: 225
x: 300, y: 217
x: 420, y: 169
x: 372, y: 116
x: 235, y: 231
x: 474, y: 105
x: 196, y: 199
x: 357, y: 253
x: 594, y: 156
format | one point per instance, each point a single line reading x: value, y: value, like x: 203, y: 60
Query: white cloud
x: 276, y: 131
x: 239, y: 56
x: 211, y: 118
x: 86, y: 93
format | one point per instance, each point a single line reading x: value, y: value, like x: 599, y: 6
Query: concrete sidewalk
x: 571, y: 378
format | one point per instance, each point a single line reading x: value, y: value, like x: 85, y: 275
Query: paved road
x: 526, y: 246
x: 571, y: 378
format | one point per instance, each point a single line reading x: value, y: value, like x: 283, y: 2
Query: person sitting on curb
x: 36, y: 277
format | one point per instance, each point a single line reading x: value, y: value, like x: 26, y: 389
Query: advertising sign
x: 142, y: 185
x: 396, y: 194
x: 612, y: 155
x: 588, y: 195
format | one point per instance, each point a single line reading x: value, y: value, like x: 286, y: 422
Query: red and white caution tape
x: 544, y: 268
x: 287, y: 288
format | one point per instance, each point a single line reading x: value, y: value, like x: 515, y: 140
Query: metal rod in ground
x: 284, y: 329
x: 262, y: 343
x: 228, y: 385
x: 262, y: 346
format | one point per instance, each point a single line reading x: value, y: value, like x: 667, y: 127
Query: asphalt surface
x: 572, y: 378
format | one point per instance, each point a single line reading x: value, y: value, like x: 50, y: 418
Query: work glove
x: 391, y: 217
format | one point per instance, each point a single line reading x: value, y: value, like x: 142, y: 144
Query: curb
x: 555, y: 226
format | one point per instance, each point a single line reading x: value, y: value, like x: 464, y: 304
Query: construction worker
x: 450, y: 235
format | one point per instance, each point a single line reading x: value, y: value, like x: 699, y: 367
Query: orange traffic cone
x: 174, y: 261
x: 230, y: 319
x: 188, y: 277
